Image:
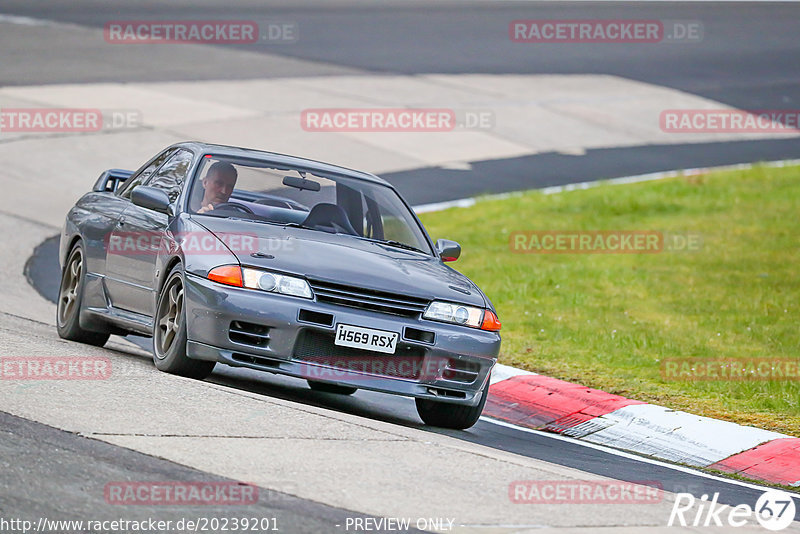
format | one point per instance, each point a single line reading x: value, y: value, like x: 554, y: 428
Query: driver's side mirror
x: 151, y: 198
x: 448, y: 250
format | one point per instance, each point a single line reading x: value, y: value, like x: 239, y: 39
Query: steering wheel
x: 234, y: 206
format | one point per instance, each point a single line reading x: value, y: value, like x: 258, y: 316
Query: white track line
x: 30, y: 21
x: 636, y: 457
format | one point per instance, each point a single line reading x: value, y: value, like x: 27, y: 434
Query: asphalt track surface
x: 748, y: 59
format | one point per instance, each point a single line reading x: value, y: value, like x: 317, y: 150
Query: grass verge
x: 610, y: 321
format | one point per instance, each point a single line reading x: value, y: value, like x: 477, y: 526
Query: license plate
x: 359, y: 337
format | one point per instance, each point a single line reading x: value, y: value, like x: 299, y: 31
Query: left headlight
x: 276, y: 283
x: 454, y: 313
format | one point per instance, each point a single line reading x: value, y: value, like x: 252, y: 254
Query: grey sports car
x: 280, y: 264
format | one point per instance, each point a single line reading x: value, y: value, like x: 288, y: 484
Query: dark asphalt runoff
x: 747, y: 58
x: 552, y: 168
x: 55, y: 475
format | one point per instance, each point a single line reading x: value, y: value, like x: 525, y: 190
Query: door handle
x: 122, y: 221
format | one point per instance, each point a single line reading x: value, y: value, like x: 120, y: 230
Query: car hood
x: 345, y: 259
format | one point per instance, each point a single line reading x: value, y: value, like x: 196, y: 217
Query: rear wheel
x: 449, y: 415
x: 169, y: 332
x: 331, y: 388
x: 70, y: 297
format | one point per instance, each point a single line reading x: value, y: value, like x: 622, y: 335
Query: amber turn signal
x: 230, y: 275
x: 490, y: 322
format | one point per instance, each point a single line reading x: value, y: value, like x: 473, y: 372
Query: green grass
x: 608, y: 320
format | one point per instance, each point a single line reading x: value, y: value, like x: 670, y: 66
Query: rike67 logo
x: 774, y: 510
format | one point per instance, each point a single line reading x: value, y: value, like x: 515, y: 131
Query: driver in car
x: 218, y: 185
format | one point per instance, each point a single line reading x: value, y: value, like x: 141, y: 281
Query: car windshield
x: 245, y: 189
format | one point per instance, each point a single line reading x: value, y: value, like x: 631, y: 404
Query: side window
x: 172, y: 176
x: 138, y: 179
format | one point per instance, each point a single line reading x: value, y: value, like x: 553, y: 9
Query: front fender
x: 69, y: 234
x: 189, y: 243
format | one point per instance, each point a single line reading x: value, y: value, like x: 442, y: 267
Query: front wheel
x: 449, y: 415
x: 169, y: 332
x: 70, y: 297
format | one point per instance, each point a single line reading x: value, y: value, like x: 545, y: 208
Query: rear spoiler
x: 110, y: 180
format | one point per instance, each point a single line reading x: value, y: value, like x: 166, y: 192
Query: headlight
x: 454, y: 313
x: 276, y: 283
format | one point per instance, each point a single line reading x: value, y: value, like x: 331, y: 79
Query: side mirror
x: 448, y: 250
x: 151, y: 198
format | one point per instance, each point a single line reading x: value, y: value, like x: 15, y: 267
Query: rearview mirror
x: 301, y: 183
x: 151, y: 198
x: 448, y: 250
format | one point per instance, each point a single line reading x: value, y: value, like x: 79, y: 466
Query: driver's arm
x: 203, y: 209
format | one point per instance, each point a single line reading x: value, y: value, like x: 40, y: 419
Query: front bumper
x: 294, y: 336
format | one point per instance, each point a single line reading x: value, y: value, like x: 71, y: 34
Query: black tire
x: 70, y: 300
x: 331, y: 388
x: 449, y: 415
x: 169, y: 332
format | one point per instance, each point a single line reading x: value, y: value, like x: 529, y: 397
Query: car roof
x: 280, y: 159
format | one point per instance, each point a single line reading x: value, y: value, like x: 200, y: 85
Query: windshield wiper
x: 396, y: 244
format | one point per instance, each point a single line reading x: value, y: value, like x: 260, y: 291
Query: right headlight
x: 447, y: 312
x: 454, y: 313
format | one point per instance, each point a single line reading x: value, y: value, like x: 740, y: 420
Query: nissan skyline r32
x: 280, y: 264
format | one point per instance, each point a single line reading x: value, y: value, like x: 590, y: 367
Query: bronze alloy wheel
x: 169, y: 331
x: 170, y: 314
x: 70, y: 286
x: 70, y: 297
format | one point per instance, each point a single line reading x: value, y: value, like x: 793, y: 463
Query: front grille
x: 319, y: 348
x: 368, y: 299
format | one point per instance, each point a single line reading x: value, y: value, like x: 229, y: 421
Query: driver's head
x: 219, y: 183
